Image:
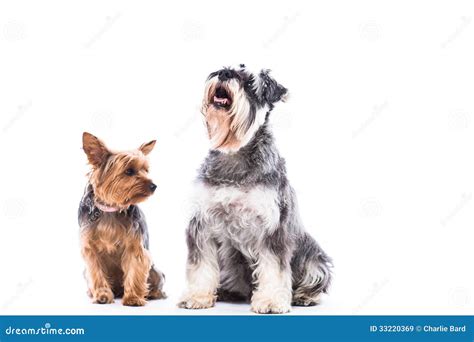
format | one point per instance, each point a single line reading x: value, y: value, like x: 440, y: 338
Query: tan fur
x: 97, y: 278
x: 114, y: 187
x: 117, y: 263
x: 218, y: 125
x: 225, y: 127
x: 136, y: 266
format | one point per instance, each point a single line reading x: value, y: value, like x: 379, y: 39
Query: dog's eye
x: 130, y: 172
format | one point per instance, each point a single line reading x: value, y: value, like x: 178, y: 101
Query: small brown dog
x: 114, y: 234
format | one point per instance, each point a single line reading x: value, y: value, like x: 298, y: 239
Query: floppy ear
x: 272, y: 91
x: 96, y: 151
x: 147, y: 147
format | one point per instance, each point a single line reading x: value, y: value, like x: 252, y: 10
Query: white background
x: 378, y: 138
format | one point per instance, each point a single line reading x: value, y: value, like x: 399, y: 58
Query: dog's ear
x: 96, y: 151
x: 147, y: 147
x: 272, y: 91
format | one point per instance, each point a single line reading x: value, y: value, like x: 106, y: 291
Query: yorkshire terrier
x: 245, y: 238
x: 114, y: 234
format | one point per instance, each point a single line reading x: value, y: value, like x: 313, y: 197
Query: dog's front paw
x: 102, y: 296
x: 132, y: 300
x: 270, y: 306
x: 198, y: 301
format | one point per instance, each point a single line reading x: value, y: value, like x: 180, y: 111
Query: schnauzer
x: 245, y: 238
x: 114, y: 234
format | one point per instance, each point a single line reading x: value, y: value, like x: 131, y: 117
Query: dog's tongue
x: 222, y: 101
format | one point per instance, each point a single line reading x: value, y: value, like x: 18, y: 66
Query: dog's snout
x: 152, y: 187
x: 225, y: 75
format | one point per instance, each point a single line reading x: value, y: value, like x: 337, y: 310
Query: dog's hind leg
x: 235, y: 275
x: 155, y: 282
x: 311, y: 272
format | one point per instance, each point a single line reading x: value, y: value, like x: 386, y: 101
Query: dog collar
x: 106, y: 208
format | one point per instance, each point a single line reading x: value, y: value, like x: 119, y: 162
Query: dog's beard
x: 230, y: 125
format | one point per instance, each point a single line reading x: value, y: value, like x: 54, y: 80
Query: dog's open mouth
x: 222, y: 98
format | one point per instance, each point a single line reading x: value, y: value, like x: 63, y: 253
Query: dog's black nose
x: 152, y: 187
x: 225, y: 75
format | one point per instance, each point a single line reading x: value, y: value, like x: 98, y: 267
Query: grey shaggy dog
x: 245, y: 239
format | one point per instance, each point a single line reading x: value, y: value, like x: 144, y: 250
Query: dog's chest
x: 238, y: 213
x: 111, y: 234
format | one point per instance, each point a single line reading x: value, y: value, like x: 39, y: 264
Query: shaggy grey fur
x: 257, y: 164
